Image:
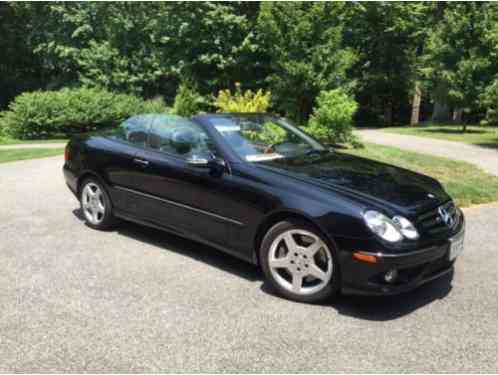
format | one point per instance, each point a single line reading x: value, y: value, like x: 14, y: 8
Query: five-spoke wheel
x: 95, y: 204
x: 299, y: 262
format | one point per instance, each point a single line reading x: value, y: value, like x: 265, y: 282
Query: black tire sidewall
x: 108, y: 220
x: 330, y: 290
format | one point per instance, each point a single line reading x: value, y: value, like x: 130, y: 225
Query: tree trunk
x: 457, y: 118
x: 388, y: 114
x: 441, y: 112
x: 457, y: 115
x: 417, y: 97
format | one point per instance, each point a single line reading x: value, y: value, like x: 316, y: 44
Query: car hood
x: 366, y: 179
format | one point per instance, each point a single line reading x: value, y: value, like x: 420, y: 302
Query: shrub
x: 44, y: 114
x: 332, y: 119
x: 270, y: 134
x: 243, y: 102
x: 188, y: 101
x: 155, y: 105
x: 489, y: 101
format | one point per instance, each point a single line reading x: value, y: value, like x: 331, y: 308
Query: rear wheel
x: 299, y: 262
x: 96, y: 205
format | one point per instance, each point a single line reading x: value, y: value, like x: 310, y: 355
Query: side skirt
x: 127, y: 217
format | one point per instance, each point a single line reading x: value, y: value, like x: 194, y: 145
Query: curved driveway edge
x: 486, y: 159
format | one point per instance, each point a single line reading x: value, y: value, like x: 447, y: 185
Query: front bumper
x: 414, y: 268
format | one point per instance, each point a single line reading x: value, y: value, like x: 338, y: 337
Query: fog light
x: 391, y: 276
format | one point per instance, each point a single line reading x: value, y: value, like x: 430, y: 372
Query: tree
x: 144, y: 48
x: 388, y: 37
x: 307, y: 55
x: 459, y: 58
x: 20, y: 69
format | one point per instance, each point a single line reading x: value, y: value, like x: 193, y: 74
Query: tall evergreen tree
x: 304, y: 41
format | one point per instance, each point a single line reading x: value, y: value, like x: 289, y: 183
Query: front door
x: 119, y: 166
x: 169, y: 188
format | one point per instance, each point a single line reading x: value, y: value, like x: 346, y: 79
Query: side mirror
x: 215, y: 165
x: 198, y: 162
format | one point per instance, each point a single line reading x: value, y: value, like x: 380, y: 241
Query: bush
x: 44, y: 114
x: 489, y: 101
x: 270, y: 134
x: 155, y: 105
x: 332, y: 120
x: 243, y: 102
x: 188, y: 102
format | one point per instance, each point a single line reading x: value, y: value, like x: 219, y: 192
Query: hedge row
x: 45, y: 114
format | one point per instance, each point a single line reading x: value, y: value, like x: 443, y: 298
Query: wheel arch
x: 276, y: 217
x: 89, y: 174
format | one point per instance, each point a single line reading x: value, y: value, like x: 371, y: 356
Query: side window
x: 179, y: 136
x: 134, y: 130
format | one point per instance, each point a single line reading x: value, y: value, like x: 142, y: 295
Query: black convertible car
x: 317, y: 221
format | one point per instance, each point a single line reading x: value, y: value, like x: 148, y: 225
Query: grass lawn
x: 466, y: 183
x: 28, y: 153
x: 11, y: 141
x: 486, y: 136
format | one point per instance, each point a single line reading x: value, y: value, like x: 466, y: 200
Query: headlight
x: 382, y: 226
x: 406, y: 227
x: 391, y: 230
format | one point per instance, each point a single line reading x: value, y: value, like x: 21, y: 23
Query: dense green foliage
x: 243, y: 101
x: 381, y: 53
x: 388, y: 40
x: 332, y: 119
x: 490, y: 103
x: 188, y: 101
x: 49, y: 113
x: 305, y: 44
x: 461, y: 54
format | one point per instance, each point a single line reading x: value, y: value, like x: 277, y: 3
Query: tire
x: 96, y: 208
x: 307, y: 270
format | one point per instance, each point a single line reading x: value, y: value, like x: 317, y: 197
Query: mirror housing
x: 216, y: 165
x: 198, y: 162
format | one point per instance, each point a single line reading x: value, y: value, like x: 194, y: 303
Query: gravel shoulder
x: 135, y: 299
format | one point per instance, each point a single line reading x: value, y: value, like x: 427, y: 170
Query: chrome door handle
x: 141, y: 162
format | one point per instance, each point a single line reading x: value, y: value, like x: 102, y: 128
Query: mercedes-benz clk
x: 317, y: 221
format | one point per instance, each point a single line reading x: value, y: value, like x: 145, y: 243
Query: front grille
x: 432, y: 222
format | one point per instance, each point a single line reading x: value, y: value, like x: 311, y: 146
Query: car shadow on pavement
x: 385, y: 308
x: 394, y: 307
x: 361, y: 307
x: 195, y: 250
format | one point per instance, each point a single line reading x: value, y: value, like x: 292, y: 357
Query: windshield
x: 258, y: 138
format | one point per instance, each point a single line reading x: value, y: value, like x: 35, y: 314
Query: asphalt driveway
x: 135, y: 299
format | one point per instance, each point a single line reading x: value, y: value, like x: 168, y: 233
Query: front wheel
x: 96, y: 205
x: 299, y: 262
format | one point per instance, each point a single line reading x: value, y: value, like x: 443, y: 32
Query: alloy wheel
x: 300, y: 262
x: 92, y: 200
